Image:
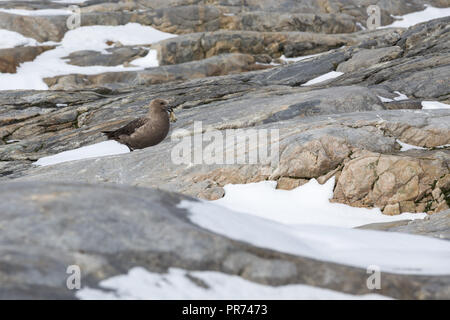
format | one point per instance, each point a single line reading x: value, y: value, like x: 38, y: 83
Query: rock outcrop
x: 143, y: 227
x: 436, y: 225
x: 188, y: 16
x: 214, y: 66
x: 11, y: 58
x: 397, y: 183
x: 359, y: 146
x: 113, y: 57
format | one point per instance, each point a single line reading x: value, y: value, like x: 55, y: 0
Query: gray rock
x: 212, y: 73
x: 249, y: 108
x: 276, y: 21
x: 436, y: 225
x: 214, y: 66
x: 185, y: 19
x: 206, y: 44
x: 41, y: 28
x: 115, y: 56
x: 202, y: 45
x: 107, y: 230
x: 182, y: 16
x: 425, y: 57
x: 368, y: 57
x: 311, y: 129
x: 303, y: 71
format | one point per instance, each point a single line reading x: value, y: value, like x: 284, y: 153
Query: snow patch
x: 95, y: 37
x: 324, y: 77
x: 30, y: 75
x: 105, y: 148
x: 400, y: 96
x: 11, y: 39
x: 150, y: 60
x: 392, y: 252
x: 40, y: 12
x: 142, y: 284
x: 406, y: 147
x: 295, y: 59
x: 427, y: 105
x: 414, y: 18
x: 383, y: 99
x: 361, y: 26
x: 306, y: 204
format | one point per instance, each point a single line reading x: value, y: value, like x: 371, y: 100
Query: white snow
x: 383, y: 99
x: 95, y: 37
x: 50, y: 63
x: 295, y: 59
x: 324, y: 77
x: 361, y: 26
x: 150, y: 60
x: 69, y: 1
x: 105, y: 148
x: 414, y: 18
x: 392, y: 252
x: 40, y: 12
x: 400, y: 96
x: 306, y: 204
x: 406, y: 147
x: 142, y: 284
x: 434, y: 105
x: 11, y: 39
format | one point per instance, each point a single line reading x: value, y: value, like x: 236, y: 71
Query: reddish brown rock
x: 11, y: 58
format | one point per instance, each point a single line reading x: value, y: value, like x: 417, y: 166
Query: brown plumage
x: 146, y: 131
